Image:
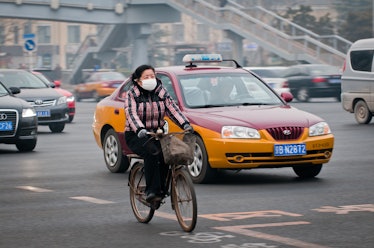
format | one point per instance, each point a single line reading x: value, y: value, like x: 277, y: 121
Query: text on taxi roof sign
x: 188, y: 58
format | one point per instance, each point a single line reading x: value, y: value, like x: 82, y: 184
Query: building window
x: 16, y: 34
x: 178, y: 32
x: 74, y: 34
x: 44, y: 34
x: 2, y: 35
x: 27, y: 28
x: 202, y: 32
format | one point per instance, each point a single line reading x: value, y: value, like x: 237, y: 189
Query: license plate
x: 289, y: 149
x: 335, y: 81
x: 6, y: 125
x: 44, y: 113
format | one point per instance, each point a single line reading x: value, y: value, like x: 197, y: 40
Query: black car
x: 18, y: 121
x: 51, y: 107
x: 313, y: 81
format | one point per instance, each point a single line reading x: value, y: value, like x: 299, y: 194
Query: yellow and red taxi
x: 98, y: 85
x: 239, y: 121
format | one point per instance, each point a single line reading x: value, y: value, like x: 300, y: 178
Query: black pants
x: 154, y: 166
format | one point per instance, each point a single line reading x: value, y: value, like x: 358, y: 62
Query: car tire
x: 115, y: 161
x: 303, y: 95
x: 71, y: 118
x: 362, y: 112
x: 200, y: 170
x: 57, y: 127
x: 26, y: 145
x: 307, y: 171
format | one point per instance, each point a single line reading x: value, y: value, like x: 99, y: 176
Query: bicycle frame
x: 178, y: 186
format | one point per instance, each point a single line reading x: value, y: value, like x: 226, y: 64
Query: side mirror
x: 57, y: 83
x: 15, y: 90
x: 287, y: 96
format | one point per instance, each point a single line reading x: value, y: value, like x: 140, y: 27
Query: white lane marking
x: 34, y: 189
x: 244, y: 230
x: 91, y: 199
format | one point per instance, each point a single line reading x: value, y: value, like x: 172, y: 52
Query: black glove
x: 142, y: 133
x: 188, y: 128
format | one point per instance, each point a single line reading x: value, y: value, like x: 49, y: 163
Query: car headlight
x: 28, y: 112
x: 320, y: 128
x: 61, y: 100
x: 236, y: 132
x: 70, y: 99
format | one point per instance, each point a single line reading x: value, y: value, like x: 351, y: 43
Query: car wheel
x: 307, y: 171
x: 303, y: 95
x: 200, y: 170
x: 71, y: 117
x: 362, y: 112
x: 115, y: 161
x: 26, y: 145
x: 57, y: 127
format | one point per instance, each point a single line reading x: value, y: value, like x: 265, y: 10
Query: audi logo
x: 38, y: 101
x: 3, y: 117
x: 287, y: 132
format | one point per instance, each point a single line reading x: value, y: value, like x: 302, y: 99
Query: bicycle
x: 179, y: 187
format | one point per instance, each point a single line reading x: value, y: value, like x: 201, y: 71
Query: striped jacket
x: 147, y: 110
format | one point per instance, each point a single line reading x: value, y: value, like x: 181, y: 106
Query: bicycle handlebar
x: 161, y: 134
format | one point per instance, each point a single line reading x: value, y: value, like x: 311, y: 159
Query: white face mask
x: 149, y: 84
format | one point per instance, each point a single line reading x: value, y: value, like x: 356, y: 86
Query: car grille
x: 267, y: 160
x: 11, y: 115
x: 285, y: 133
x: 44, y: 103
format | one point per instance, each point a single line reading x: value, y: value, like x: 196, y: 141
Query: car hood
x: 258, y: 117
x: 63, y: 92
x: 10, y: 102
x: 44, y: 93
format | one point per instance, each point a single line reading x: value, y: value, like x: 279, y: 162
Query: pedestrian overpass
x: 130, y: 23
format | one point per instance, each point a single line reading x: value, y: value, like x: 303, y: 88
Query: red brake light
x: 318, y: 80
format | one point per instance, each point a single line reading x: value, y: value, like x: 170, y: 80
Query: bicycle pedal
x: 156, y: 205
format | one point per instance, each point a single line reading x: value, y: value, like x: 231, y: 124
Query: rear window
x: 362, y: 60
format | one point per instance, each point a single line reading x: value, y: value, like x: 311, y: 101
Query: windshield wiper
x: 253, y: 103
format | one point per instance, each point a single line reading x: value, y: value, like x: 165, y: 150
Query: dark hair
x: 138, y: 71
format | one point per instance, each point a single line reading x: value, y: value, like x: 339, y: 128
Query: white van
x: 358, y: 81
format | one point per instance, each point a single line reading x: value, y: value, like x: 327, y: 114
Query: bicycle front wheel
x: 142, y: 210
x: 184, y: 200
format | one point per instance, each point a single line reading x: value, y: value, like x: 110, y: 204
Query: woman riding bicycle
x: 146, y: 105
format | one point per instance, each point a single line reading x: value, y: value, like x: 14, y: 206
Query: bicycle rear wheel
x: 184, y: 200
x: 141, y: 208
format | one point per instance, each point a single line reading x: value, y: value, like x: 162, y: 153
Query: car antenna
x: 235, y: 62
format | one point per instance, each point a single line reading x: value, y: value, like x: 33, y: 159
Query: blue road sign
x: 28, y: 36
x: 30, y: 45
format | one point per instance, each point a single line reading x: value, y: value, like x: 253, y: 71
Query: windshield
x: 106, y: 76
x: 219, y: 90
x: 21, y: 79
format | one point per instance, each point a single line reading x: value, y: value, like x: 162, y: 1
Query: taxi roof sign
x: 190, y: 58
